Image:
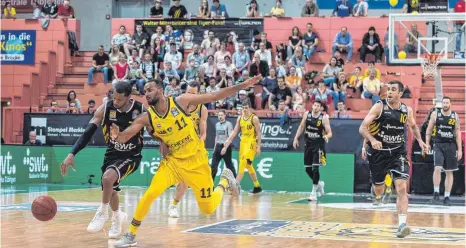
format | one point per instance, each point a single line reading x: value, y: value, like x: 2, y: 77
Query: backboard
x: 431, y: 33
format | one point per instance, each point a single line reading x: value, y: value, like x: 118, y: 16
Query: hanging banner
x: 18, y: 47
x: 433, y: 6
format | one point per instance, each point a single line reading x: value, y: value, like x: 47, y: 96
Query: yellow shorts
x: 247, y: 153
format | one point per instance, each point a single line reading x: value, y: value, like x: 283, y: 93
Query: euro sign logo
x: 264, y: 167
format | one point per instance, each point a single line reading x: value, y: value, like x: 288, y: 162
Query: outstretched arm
x: 138, y: 124
x: 84, y: 139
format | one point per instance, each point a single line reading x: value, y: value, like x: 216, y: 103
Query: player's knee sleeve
x: 309, y: 172
x: 388, y: 180
x: 316, y: 175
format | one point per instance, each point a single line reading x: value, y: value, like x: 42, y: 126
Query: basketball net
x: 429, y: 64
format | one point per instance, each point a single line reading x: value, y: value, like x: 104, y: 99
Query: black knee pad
x: 248, y: 161
x: 316, y: 175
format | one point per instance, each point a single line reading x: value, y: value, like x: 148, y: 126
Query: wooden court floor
x: 268, y: 220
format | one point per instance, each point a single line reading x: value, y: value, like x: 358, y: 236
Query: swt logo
x: 7, y: 169
x: 38, y: 167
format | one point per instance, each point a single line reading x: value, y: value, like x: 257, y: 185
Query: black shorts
x: 393, y: 162
x: 124, y: 167
x: 445, y: 156
x: 314, y: 154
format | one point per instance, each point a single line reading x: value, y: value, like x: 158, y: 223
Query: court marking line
x: 213, y: 224
x: 47, y: 191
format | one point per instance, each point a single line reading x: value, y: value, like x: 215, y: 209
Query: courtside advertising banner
x: 18, y: 47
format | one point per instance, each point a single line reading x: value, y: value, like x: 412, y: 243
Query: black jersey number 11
x: 204, y: 191
x: 181, y: 125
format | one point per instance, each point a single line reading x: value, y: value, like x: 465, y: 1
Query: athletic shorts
x: 445, y: 156
x: 315, y: 155
x: 393, y: 162
x: 247, y: 153
x: 123, y: 167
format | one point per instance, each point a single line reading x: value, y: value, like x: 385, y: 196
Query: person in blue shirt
x: 218, y: 10
x: 343, y: 8
x: 343, y: 42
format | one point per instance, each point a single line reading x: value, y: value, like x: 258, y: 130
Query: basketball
x: 414, y: 12
x: 44, y: 208
x: 393, y: 3
x: 402, y: 55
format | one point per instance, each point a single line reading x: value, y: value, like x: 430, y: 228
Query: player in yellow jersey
x: 250, y: 145
x: 388, y: 181
x: 199, y: 116
x: 187, y: 159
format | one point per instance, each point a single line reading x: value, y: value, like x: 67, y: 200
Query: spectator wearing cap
x: 9, y: 12
x: 218, y: 10
x: 241, y: 58
x: 91, y: 107
x: 459, y: 8
x: 344, y: 43
x: 242, y: 95
x: 175, y: 58
x: 100, y: 63
x: 177, y: 10
x: 65, y: 11
x: 370, y: 45
x: 249, y: 91
x: 258, y: 67
x: 310, y: 9
x: 140, y: 42
x: 343, y: 8
x: 53, y: 108
x: 268, y: 86
x: 361, y: 9
x: 282, y: 92
x: 157, y: 10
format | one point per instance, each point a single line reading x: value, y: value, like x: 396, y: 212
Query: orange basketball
x: 44, y: 208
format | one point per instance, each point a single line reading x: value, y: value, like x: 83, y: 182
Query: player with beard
x: 187, y: 159
x: 317, y: 131
x: 199, y: 116
x: 444, y: 126
x: 384, y: 128
x: 121, y: 158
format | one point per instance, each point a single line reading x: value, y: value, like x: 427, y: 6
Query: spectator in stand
x: 256, y: 40
x: 54, y: 108
x: 157, y: 10
x: 282, y: 92
x: 252, y: 10
x: 33, y: 141
x: 370, y: 44
x: 340, y: 61
x: 282, y: 112
x: 177, y: 10
x: 410, y: 6
x: 344, y: 43
x: 277, y: 10
x: 361, y: 9
x: 299, y: 62
x: 149, y: 68
x: 265, y: 55
x: 190, y: 74
x: 298, y: 100
x: 249, y: 91
x: 121, y: 38
x: 268, y: 85
x: 321, y: 93
x: 341, y: 112
x: 140, y: 41
x: 65, y: 11
x: 158, y: 34
x: 310, y: 9
x: 50, y: 10
x: 371, y: 87
x: 90, y: 107
x: 71, y: 100
x: 355, y: 81
x: 220, y: 57
x: 310, y: 41
x: 210, y: 45
x: 387, y: 46
x: 72, y: 109
x: 241, y: 58
x: 330, y: 72
x: 212, y: 88
x: 371, y: 65
x: 339, y: 89
x: 109, y: 96
x: 169, y: 72
x: 114, y: 56
x: 229, y: 67
x: 173, y: 89
x: 100, y: 63
x: 294, y: 41
x: 207, y: 69
x: 204, y: 9
x: 268, y: 44
x: 222, y: 78
x: 343, y: 8
x: 242, y: 96
x: 229, y: 102
x: 158, y: 50
x: 412, y: 40
x: 120, y: 74
x: 231, y: 43
x: 136, y: 78
x: 258, y: 67
x: 218, y: 10
x: 175, y: 58
x: 36, y: 13
x: 293, y: 81
x: 459, y: 8
x: 9, y: 12
x: 281, y: 68
x: 196, y: 56
x: 134, y: 57
x: 188, y: 36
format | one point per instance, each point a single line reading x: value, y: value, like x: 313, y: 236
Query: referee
x: 223, y: 130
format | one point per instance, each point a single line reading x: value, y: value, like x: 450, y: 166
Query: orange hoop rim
x: 432, y: 56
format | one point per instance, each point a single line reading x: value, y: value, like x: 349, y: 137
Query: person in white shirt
x: 175, y: 58
x: 264, y: 54
x: 361, y: 9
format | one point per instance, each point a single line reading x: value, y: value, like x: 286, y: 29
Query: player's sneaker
x: 256, y: 190
x: 436, y: 198
x: 386, y: 196
x: 117, y: 225
x: 173, y: 211
x: 447, y: 201
x: 377, y: 201
x: 233, y: 186
x: 98, y: 222
x: 128, y: 240
x: 320, y: 189
x: 312, y: 197
x: 403, y: 231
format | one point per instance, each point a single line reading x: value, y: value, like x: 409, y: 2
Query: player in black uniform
x: 444, y: 126
x: 384, y: 128
x: 317, y: 131
x: 120, y: 160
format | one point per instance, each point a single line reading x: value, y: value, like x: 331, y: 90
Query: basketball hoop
x: 429, y: 64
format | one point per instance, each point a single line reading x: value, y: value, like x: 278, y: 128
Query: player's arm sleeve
x: 84, y: 139
x: 375, y: 111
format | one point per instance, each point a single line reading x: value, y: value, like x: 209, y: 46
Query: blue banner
x: 373, y: 4
x: 18, y: 47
